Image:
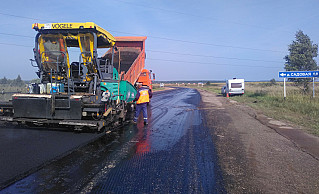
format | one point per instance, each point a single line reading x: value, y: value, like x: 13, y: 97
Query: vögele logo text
x: 61, y: 26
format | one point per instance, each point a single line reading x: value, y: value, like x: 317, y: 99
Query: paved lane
x: 173, y: 154
x: 24, y: 150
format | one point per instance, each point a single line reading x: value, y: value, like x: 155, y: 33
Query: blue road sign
x: 298, y: 74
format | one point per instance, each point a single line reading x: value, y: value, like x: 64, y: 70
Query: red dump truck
x: 129, y: 59
x: 146, y: 78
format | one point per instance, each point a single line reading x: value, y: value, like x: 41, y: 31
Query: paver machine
x: 85, y: 93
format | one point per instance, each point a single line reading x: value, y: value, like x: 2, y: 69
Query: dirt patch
x: 256, y: 153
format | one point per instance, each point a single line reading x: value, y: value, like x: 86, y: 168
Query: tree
x: 301, y: 58
x: 208, y: 83
x: 4, y: 80
x: 18, y: 81
x: 273, y: 81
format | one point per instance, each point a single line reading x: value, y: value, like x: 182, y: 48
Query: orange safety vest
x: 144, y: 97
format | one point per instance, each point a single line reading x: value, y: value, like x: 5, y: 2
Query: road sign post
x: 285, y: 88
x: 313, y: 87
x: 299, y: 74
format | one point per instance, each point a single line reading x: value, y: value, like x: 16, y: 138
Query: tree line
x: 13, y: 82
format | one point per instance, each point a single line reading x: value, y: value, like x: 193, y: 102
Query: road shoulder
x: 254, y: 155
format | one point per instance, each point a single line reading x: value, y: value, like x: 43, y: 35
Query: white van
x: 234, y: 87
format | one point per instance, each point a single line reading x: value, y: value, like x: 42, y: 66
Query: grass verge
x: 298, y: 108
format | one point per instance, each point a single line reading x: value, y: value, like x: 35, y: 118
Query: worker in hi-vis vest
x: 142, y: 99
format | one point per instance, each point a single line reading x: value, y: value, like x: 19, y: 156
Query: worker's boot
x: 145, y: 122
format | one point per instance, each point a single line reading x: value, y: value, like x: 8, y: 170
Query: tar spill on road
x: 173, y: 154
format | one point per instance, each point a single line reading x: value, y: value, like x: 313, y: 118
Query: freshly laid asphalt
x: 25, y: 150
x: 175, y: 153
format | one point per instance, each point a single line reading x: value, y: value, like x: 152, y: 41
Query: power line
x: 9, y: 34
x: 186, y: 54
x: 9, y: 44
x: 195, y: 62
x: 193, y: 15
x: 168, y: 39
x: 24, y: 17
x: 201, y: 43
x: 182, y: 54
x: 177, y: 61
x: 197, y: 55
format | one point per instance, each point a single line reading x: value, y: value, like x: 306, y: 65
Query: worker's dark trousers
x: 139, y: 108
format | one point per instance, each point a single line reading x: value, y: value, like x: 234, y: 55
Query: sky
x: 186, y: 39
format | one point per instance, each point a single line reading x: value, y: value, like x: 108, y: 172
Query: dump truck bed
x: 131, y: 54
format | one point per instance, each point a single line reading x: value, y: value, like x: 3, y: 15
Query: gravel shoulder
x: 258, y: 154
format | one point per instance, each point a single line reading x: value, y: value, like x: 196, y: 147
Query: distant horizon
x: 212, y: 81
x: 191, y: 81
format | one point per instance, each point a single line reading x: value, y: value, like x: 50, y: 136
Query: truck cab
x: 146, y: 79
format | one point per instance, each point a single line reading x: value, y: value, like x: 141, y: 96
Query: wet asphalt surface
x: 173, y: 154
x: 25, y: 150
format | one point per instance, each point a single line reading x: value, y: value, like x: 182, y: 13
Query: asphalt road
x: 25, y: 150
x: 173, y: 154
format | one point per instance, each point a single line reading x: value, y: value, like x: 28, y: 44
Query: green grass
x: 298, y: 108
x: 157, y: 88
x: 213, y: 87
